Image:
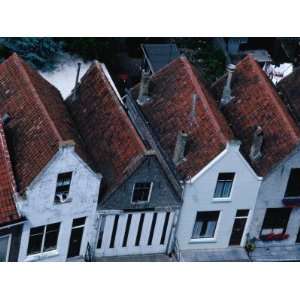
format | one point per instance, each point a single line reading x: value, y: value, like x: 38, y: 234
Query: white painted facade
x: 198, y: 196
x: 39, y: 208
x: 145, y: 246
x: 271, y: 194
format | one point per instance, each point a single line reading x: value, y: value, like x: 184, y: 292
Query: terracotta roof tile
x: 105, y: 127
x: 256, y: 103
x: 171, y: 110
x: 8, y: 211
x: 39, y: 119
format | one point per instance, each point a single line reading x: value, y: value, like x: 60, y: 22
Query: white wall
x: 270, y: 195
x: 39, y: 207
x: 198, y: 196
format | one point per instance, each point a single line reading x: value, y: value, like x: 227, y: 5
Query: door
x: 76, y: 237
x: 4, y: 247
x: 238, y: 227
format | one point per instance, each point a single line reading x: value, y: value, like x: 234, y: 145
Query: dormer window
x: 63, y: 187
x: 141, y: 192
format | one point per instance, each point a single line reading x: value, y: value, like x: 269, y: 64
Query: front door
x: 238, y: 227
x: 76, y: 237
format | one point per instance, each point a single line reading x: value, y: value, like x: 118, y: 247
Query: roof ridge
x: 196, y: 84
x: 20, y: 63
x: 99, y: 66
x: 278, y: 102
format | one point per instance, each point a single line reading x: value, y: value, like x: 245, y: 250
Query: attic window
x: 63, y: 187
x: 141, y: 192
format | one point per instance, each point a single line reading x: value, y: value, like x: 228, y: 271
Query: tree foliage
x: 42, y: 53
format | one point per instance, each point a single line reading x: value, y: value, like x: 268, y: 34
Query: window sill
x: 220, y: 200
x: 42, y: 256
x: 203, y: 240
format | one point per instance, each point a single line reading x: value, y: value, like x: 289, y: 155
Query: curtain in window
x: 197, y: 229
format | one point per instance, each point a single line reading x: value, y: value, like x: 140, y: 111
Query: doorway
x: 238, y: 227
x: 76, y: 237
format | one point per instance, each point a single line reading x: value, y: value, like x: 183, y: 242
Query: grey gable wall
x: 162, y: 196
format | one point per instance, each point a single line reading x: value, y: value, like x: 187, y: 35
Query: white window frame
x: 8, y: 245
x: 43, y: 240
x: 225, y: 199
x: 149, y: 196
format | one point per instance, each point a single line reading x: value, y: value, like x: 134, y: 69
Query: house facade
x: 56, y: 189
x: 259, y: 113
x: 138, y: 204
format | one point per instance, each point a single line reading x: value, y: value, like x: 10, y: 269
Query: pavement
x: 231, y: 254
x: 276, y: 253
x: 138, y: 258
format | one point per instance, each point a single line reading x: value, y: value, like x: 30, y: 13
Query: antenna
x: 192, y: 115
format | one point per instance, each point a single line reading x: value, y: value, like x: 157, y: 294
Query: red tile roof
x: 8, y: 211
x: 171, y: 110
x: 256, y: 103
x: 111, y: 139
x: 39, y: 119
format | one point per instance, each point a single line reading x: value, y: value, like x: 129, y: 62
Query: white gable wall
x: 198, y: 196
x: 39, y: 207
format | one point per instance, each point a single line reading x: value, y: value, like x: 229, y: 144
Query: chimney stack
x: 144, y: 88
x: 76, y: 82
x: 257, y: 142
x: 226, y: 96
x: 182, y: 138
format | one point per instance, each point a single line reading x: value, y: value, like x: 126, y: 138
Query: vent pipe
x: 76, y: 81
x: 257, y: 142
x: 226, y: 96
x: 180, y: 147
x: 144, y: 96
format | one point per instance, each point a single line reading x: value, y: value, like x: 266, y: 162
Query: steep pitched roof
x: 8, y: 211
x: 113, y: 142
x: 289, y: 88
x: 39, y: 119
x: 171, y: 110
x: 256, y: 103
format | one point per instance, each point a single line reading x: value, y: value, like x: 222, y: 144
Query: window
x: 124, y: 244
x: 43, y: 238
x: 163, y: 236
x: 152, y: 228
x: 224, y: 185
x: 101, y: 232
x: 4, y: 247
x: 139, y: 232
x: 114, y: 232
x: 63, y: 187
x: 205, y: 224
x: 141, y: 192
x: 293, y: 186
x: 275, y: 221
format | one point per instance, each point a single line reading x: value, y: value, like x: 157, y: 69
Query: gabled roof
x: 289, y: 89
x: 172, y: 109
x: 8, y: 210
x: 39, y: 120
x: 256, y: 103
x: 159, y: 55
x: 112, y: 141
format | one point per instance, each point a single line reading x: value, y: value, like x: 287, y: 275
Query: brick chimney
x: 182, y: 138
x: 226, y: 96
x: 144, y: 96
x: 257, y: 142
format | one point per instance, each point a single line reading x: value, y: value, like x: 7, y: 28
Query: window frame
x: 8, y: 245
x: 288, y: 183
x: 273, y: 228
x: 42, y: 248
x: 149, y: 195
x: 68, y: 199
x: 224, y: 198
x: 206, y: 239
